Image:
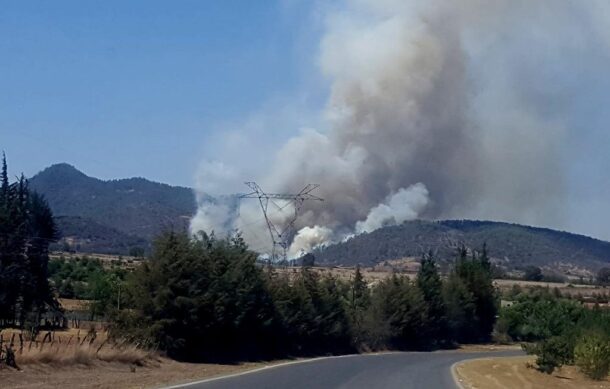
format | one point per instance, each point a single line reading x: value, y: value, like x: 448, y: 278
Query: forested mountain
x: 510, y: 244
x: 117, y: 215
x: 113, y: 214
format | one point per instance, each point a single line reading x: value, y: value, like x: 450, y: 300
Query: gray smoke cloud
x: 451, y: 104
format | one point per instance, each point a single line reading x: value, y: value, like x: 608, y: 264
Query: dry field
x: 517, y: 373
x: 126, y: 261
x: 564, y: 288
x: 343, y: 273
x: 409, y: 268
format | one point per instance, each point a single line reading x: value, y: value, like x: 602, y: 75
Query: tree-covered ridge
x: 514, y: 245
x: 84, y: 235
x: 26, y: 230
x: 207, y: 298
x: 135, y: 206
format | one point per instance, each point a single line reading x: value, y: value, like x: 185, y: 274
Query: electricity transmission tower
x: 280, y: 234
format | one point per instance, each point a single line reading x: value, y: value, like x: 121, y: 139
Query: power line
x: 280, y: 234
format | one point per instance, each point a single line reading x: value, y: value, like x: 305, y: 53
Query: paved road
x: 395, y: 370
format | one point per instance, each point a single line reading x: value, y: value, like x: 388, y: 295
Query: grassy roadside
x: 513, y: 372
x: 155, y: 372
x: 79, y: 358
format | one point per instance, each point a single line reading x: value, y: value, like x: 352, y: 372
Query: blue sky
x: 152, y: 88
x: 133, y: 88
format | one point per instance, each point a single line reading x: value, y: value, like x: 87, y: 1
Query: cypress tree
x: 358, y: 301
x: 475, y: 275
x: 26, y: 229
x: 431, y: 287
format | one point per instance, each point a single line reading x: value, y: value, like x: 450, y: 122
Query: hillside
x: 119, y: 213
x: 85, y: 235
x: 510, y: 245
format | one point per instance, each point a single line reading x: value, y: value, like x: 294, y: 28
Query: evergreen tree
x: 475, y: 276
x: 399, y: 313
x: 431, y: 287
x: 26, y: 229
x: 358, y: 301
x: 200, y: 299
x: 460, y: 309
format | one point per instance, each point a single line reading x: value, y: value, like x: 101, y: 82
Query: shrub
x: 552, y: 353
x: 592, y: 355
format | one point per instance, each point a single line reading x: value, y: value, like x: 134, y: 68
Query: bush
x: 592, y: 355
x: 552, y: 353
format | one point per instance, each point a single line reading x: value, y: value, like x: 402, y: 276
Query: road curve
x: 368, y: 371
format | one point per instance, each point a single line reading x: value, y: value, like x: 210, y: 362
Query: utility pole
x: 281, y: 235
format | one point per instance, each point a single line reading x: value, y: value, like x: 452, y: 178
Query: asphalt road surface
x: 394, y: 370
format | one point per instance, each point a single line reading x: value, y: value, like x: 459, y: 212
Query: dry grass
x: 566, y: 289
x: 516, y: 372
x: 72, y: 347
x: 156, y: 373
x: 74, y: 304
x: 78, y: 362
x: 409, y: 266
x: 371, y: 275
x: 86, y: 354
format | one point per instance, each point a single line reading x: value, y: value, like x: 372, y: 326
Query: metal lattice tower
x: 281, y: 235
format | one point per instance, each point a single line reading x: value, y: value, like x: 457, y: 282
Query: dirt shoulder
x: 513, y: 372
x: 156, y: 373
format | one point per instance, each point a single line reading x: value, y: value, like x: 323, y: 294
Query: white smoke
x: 461, y: 102
x: 309, y: 238
x: 213, y: 216
x: 406, y: 204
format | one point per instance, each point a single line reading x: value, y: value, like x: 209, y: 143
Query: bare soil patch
x: 513, y: 372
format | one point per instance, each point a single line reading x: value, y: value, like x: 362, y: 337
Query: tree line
x: 26, y: 230
x: 203, y: 298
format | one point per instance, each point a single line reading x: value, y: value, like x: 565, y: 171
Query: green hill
x: 510, y: 245
x: 120, y: 212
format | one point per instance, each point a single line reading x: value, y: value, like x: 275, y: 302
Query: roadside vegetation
x: 206, y: 298
x: 85, y: 278
x: 559, y: 331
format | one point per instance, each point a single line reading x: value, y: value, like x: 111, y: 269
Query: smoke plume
x: 454, y: 101
x: 404, y: 205
x: 309, y: 238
